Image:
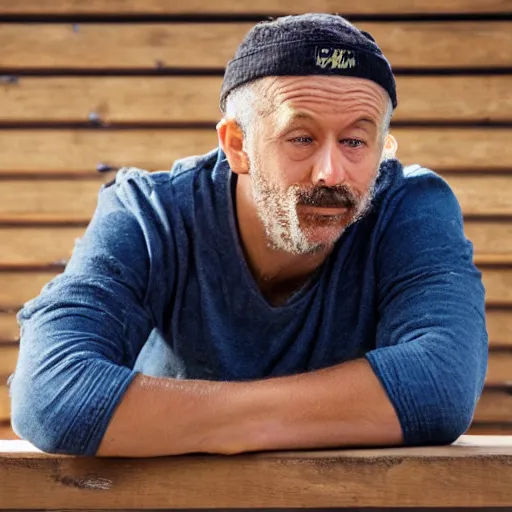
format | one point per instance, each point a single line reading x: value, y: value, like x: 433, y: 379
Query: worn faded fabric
x: 159, y: 285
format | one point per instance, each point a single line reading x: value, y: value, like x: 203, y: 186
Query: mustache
x: 339, y: 196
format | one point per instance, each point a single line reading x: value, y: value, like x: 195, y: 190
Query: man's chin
x: 324, y: 236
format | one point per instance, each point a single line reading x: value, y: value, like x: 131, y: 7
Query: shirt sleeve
x: 80, y: 337
x: 431, y: 353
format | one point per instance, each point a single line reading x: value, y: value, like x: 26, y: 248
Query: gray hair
x: 242, y: 103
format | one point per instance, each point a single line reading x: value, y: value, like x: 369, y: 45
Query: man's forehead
x: 282, y: 87
x: 289, y: 114
x: 295, y: 97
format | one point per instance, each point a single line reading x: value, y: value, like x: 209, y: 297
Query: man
x: 294, y: 288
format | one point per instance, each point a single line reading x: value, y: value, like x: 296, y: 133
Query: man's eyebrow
x: 301, y: 115
x: 295, y: 116
x: 365, y: 120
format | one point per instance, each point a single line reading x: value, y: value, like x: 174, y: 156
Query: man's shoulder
x: 181, y: 169
x: 394, y: 175
x: 193, y: 164
x: 410, y: 183
x: 424, y: 189
x: 417, y: 196
x: 415, y: 173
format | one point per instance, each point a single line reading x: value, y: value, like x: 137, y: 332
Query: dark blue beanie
x: 308, y: 44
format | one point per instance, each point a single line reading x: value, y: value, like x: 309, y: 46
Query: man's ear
x: 231, y: 141
x: 390, y: 147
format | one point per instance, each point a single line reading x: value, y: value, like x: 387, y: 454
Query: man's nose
x: 329, y: 168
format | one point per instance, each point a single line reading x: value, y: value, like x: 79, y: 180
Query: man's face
x: 315, y: 157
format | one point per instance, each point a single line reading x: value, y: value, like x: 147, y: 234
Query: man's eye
x: 302, y: 141
x: 353, y: 143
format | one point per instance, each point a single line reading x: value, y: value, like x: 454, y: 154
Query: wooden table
x: 476, y: 471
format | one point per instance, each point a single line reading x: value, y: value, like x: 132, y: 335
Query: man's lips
x: 324, y: 210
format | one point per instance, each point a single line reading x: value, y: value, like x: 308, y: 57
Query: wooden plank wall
x: 87, y: 85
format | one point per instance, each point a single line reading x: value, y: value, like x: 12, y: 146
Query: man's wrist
x: 237, y: 418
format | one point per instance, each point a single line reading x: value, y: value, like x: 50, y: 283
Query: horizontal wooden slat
x: 9, y: 328
x: 6, y: 431
x: 8, y: 358
x: 67, y: 198
x: 483, y: 429
x: 69, y: 151
x: 80, y: 151
x: 483, y: 195
x: 458, y: 149
x: 498, y: 285
x: 18, y: 287
x: 180, y: 7
x: 490, y: 238
x: 37, y: 246
x: 419, y: 45
x: 42, y: 246
x: 493, y: 259
x: 5, y: 404
x: 499, y: 327
x: 499, y: 371
x: 454, y: 98
x: 195, y: 99
x: 495, y: 406
x: 113, y: 99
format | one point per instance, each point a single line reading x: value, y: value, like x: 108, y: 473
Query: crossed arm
x: 333, y: 407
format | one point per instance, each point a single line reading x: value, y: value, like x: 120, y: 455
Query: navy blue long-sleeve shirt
x: 159, y: 285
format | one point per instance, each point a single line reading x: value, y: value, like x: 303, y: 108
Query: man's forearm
x: 342, y: 405
x: 165, y: 416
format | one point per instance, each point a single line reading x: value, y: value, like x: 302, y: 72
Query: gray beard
x: 277, y: 210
